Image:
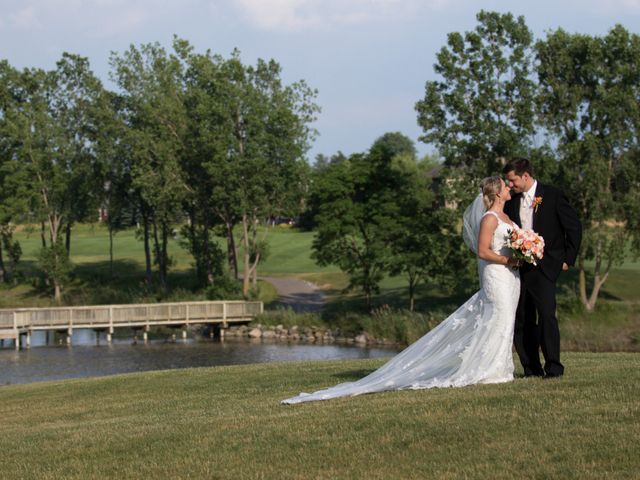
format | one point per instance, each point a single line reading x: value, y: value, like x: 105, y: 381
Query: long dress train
x: 473, y: 345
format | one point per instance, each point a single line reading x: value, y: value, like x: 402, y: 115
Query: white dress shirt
x: 526, y: 207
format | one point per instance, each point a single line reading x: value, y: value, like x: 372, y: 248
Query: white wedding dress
x: 471, y: 346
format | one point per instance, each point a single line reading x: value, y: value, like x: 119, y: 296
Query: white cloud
x: 632, y: 4
x: 24, y: 19
x: 296, y: 15
x: 95, y: 18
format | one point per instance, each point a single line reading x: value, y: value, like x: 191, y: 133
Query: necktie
x: 525, y: 211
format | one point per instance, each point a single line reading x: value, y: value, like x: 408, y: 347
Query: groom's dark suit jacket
x: 558, y: 224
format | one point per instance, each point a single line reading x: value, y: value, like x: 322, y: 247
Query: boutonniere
x: 537, y: 201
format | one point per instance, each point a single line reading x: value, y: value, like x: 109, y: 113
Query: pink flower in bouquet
x: 527, y: 245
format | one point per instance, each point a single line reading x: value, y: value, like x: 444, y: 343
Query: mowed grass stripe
x: 226, y: 422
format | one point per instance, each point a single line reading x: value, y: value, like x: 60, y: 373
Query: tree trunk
x: 55, y: 221
x: 67, y: 240
x: 58, y: 291
x: 589, y: 302
x: 43, y: 239
x: 207, y: 252
x: 195, y: 249
x: 147, y: 249
x: 158, y: 253
x: 254, y: 280
x: 412, y: 295
x: 256, y: 260
x: 110, y: 249
x: 42, y: 235
x: 3, y: 277
x: 368, y: 299
x: 246, y: 256
x: 582, y: 282
x: 165, y: 255
x: 232, y: 251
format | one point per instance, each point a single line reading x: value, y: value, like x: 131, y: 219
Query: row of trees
x: 215, y: 145
x: 377, y: 214
x: 571, y: 102
x: 187, y: 138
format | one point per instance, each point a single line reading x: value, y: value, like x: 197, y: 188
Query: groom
x: 545, y: 210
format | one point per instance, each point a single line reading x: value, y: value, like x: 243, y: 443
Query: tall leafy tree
x: 482, y: 108
x: 590, y: 88
x: 116, y: 197
x: 52, y: 126
x: 359, y: 211
x: 151, y: 86
x: 210, y: 205
x: 426, y: 246
x: 13, y: 182
x: 267, y: 127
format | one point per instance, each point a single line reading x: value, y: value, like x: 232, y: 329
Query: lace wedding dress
x: 471, y: 346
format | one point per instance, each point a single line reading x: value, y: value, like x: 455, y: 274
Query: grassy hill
x: 226, y: 422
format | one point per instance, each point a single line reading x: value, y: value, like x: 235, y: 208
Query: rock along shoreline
x: 304, y: 335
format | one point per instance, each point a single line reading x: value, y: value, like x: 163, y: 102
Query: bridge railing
x: 121, y: 315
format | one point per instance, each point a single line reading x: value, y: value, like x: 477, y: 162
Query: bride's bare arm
x: 488, y: 225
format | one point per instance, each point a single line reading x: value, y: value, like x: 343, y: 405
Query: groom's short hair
x: 519, y: 166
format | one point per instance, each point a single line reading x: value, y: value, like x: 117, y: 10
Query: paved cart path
x: 300, y: 295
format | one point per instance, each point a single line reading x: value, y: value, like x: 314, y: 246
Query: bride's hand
x: 513, y: 262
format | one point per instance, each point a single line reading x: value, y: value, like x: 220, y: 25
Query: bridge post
x: 110, y: 331
x: 15, y: 329
x: 224, y: 316
x: 184, y: 332
x: 69, y: 335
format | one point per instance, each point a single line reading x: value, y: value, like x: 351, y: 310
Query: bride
x: 473, y: 345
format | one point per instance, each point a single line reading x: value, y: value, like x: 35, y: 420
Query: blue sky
x: 369, y: 59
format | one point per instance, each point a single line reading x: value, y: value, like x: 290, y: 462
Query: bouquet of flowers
x: 527, y: 245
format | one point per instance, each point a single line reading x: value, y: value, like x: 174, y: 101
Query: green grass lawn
x: 226, y: 422
x: 289, y: 250
x: 93, y: 282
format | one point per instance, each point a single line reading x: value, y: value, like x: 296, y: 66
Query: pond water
x: 86, y: 358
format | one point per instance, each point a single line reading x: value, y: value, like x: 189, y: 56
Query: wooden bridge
x: 15, y: 323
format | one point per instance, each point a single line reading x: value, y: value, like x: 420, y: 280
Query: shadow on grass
x: 428, y: 299
x: 353, y: 375
x: 105, y: 283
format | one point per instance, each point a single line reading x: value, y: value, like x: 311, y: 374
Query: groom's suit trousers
x: 536, y: 323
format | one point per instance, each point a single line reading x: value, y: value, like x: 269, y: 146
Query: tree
x: 50, y: 123
x: 117, y: 200
x: 482, y: 109
x: 266, y: 132
x: 151, y: 87
x: 359, y: 209
x: 426, y: 247
x: 346, y: 234
x: 13, y: 198
x: 590, y: 87
x: 206, y: 142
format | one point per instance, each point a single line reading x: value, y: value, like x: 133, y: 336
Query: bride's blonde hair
x: 490, y: 186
